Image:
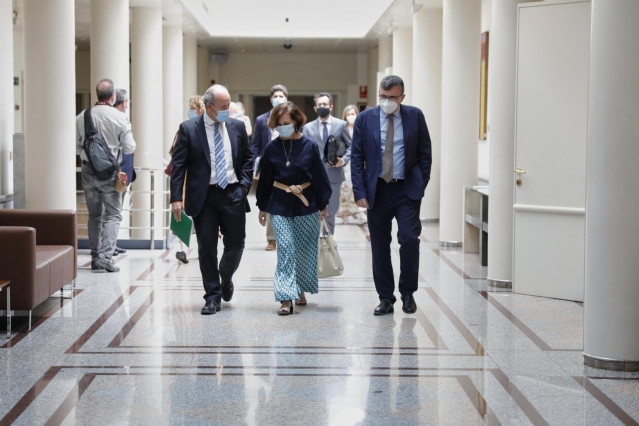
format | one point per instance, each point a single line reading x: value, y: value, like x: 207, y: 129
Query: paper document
x: 182, y: 228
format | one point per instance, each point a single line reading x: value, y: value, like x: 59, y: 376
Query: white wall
x: 484, y: 145
x: 301, y: 73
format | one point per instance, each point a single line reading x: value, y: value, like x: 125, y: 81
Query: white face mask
x: 351, y: 119
x: 388, y: 106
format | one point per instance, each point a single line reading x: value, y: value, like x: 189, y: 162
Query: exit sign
x: 16, y: 81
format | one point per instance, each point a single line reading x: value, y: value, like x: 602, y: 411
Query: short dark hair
x: 391, y: 81
x: 104, y: 89
x: 121, y: 96
x: 278, y: 88
x: 287, y: 108
x: 321, y: 94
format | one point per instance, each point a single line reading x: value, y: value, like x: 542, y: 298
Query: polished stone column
x: 6, y: 98
x: 109, y: 43
x: 460, y: 112
x: 49, y: 104
x: 147, y: 111
x: 427, y: 94
x: 611, y: 317
x: 172, y: 58
x: 189, y: 72
x: 403, y: 60
x: 501, y: 92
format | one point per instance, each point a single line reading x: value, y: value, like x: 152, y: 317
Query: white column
x: 427, y: 94
x: 189, y: 72
x: 172, y: 72
x: 403, y: 60
x: 146, y: 108
x: 6, y: 98
x: 385, y: 54
x: 109, y: 43
x: 203, y: 79
x: 501, y: 92
x: 611, y: 316
x: 460, y: 112
x: 49, y: 103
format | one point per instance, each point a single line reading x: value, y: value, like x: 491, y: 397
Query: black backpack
x: 101, y: 159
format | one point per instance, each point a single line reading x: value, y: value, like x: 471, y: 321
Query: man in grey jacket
x: 319, y: 130
x: 103, y: 202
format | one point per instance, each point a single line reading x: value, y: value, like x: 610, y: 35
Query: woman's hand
x: 324, y: 214
x: 262, y: 218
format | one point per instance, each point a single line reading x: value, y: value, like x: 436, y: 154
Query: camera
x: 287, y: 44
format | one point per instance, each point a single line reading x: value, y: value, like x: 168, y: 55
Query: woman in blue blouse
x: 295, y: 190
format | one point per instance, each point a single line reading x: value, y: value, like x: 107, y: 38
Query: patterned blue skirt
x: 296, y: 270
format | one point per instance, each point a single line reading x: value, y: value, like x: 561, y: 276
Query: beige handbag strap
x: 294, y: 189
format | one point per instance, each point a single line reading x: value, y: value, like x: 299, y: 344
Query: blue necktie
x: 324, y: 132
x: 220, y: 159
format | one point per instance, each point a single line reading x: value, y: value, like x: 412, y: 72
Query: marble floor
x: 132, y: 348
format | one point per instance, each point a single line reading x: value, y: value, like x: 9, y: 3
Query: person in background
x: 347, y: 206
x: 319, y: 130
x: 122, y: 102
x: 103, y: 201
x: 237, y: 112
x: 196, y: 107
x: 390, y: 168
x: 294, y: 188
x: 213, y: 149
x: 261, y: 137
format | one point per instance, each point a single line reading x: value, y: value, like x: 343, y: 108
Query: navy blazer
x: 367, y: 162
x: 192, y: 162
x: 261, y: 134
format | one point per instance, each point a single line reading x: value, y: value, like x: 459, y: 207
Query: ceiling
x: 266, y: 25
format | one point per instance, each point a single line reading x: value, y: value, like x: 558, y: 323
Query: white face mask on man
x: 388, y: 106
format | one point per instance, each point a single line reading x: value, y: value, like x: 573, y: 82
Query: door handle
x: 519, y: 171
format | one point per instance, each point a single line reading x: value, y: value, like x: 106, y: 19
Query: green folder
x: 182, y: 228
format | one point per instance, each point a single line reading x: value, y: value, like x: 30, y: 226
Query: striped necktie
x: 220, y: 159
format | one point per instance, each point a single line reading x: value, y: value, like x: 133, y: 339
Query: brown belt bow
x: 294, y: 189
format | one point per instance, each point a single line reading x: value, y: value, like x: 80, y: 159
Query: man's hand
x: 262, y: 218
x: 176, y: 206
x: 324, y: 214
x: 362, y: 203
x: 338, y: 163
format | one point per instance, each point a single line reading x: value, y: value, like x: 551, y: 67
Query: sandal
x: 286, y: 310
x: 301, y: 300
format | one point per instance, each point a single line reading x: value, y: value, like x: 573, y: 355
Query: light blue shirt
x: 398, y: 143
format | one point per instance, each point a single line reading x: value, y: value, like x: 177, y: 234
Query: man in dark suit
x: 262, y: 135
x: 319, y: 130
x: 212, y: 153
x: 390, y: 168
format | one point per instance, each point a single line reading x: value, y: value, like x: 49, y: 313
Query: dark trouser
x: 391, y: 202
x: 223, y: 209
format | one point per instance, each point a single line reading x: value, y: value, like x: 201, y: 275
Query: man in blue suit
x: 213, y: 155
x: 262, y: 135
x: 390, y: 168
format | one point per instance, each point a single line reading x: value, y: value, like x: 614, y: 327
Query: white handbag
x: 329, y: 263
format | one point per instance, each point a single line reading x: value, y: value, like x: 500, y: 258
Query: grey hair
x: 104, y: 89
x: 209, y: 96
x: 121, y: 96
x: 391, y: 81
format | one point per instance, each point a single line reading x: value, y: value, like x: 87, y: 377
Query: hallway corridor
x: 132, y: 348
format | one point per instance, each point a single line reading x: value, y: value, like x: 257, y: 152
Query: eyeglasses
x: 392, y: 98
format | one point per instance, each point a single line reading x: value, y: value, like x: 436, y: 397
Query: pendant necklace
x: 288, y: 163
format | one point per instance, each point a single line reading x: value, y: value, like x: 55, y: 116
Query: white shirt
x: 209, y: 125
x: 329, y: 121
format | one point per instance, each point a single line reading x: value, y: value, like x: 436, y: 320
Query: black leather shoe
x: 227, y: 291
x: 385, y: 307
x: 119, y: 250
x: 210, y: 308
x: 408, y: 304
x: 181, y: 256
